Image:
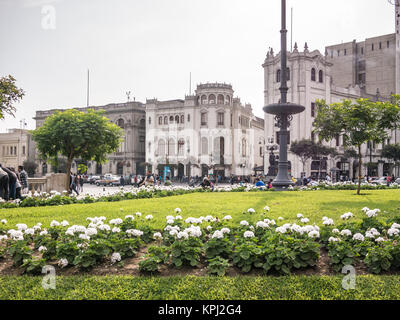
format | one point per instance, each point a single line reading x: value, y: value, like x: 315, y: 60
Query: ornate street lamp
x: 283, y: 112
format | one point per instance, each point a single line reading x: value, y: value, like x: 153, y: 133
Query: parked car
x: 397, y: 181
x: 93, y: 179
x: 107, y: 181
x: 381, y: 180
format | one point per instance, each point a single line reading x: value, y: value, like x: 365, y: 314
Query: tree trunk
x: 359, y: 169
x: 69, y: 164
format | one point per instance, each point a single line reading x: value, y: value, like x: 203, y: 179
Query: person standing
x: 12, y: 179
x: 81, y: 183
x: 122, y: 181
x: 388, y: 180
x: 73, y: 184
x: 4, y: 189
x: 17, y: 185
x: 23, y: 176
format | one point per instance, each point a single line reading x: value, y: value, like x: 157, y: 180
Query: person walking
x: 122, y: 181
x: 73, y: 183
x: 80, y: 183
x: 23, y: 176
x: 12, y: 179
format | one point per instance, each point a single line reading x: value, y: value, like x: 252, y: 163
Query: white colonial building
x: 210, y: 132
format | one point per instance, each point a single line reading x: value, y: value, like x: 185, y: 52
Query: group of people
x: 76, y: 182
x: 13, y: 183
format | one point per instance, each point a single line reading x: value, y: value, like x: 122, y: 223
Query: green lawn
x: 312, y: 204
x: 202, y: 288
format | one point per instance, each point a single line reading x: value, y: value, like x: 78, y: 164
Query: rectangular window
x: 337, y: 140
x: 338, y: 53
x: 23, y: 150
x: 220, y: 118
x: 188, y: 117
x: 380, y: 45
x: 345, y: 52
x: 261, y: 151
x: 204, y: 119
x: 312, y: 109
x: 231, y: 119
x: 388, y: 44
x: 362, y: 50
x: 372, y: 47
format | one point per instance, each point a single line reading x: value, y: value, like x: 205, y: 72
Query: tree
x: 9, y: 94
x: 304, y: 149
x: 30, y: 167
x: 73, y: 134
x: 358, y: 122
x: 392, y: 152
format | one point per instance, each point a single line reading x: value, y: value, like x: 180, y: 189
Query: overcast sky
x: 149, y: 47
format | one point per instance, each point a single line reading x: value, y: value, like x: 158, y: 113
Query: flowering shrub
x: 248, y: 255
x: 157, y: 255
x: 378, y: 258
x: 33, y: 265
x: 186, y: 251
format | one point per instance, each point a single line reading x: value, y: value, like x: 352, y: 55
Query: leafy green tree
x: 30, y: 167
x: 73, y: 134
x: 358, y: 122
x: 304, y: 149
x: 392, y: 152
x: 9, y: 94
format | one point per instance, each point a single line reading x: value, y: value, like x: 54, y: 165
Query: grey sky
x: 149, y: 47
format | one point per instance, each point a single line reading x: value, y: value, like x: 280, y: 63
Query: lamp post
x: 283, y: 113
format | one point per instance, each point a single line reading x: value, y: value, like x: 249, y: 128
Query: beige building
x: 209, y: 133
x: 15, y: 147
x: 130, y: 157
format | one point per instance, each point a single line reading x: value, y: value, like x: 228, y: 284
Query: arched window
x: 312, y: 74
x: 203, y: 99
x: 171, y: 147
x: 204, y: 146
x: 320, y: 76
x: 181, y: 147
x: 142, y: 122
x: 278, y: 76
x: 182, y: 118
x: 161, y: 147
x: 121, y: 123
x: 228, y: 100
x: 211, y: 99
x: 177, y: 119
x: 171, y: 119
x: 149, y: 120
x: 165, y: 120
x: 160, y: 120
x: 221, y: 99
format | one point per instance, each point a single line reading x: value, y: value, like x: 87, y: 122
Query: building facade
x: 130, y: 157
x: 209, y: 133
x: 16, y: 146
x: 332, y: 77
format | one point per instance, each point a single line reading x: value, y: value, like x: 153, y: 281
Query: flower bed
x: 55, y: 198
x: 277, y: 248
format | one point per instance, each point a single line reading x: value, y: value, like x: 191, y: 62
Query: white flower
x: 218, y: 235
x: 393, y: 232
x: 335, y: 231
x: 42, y: 249
x: 281, y: 229
x: 63, y: 263
x: 30, y: 231
x: 3, y: 237
x: 138, y: 214
x: 170, y: 221
x: 251, y: 210
x: 346, y: 232
x: 115, y: 257
x: 333, y: 239
x: 116, y: 221
x: 396, y: 226
x: 178, y: 210
x: 266, y: 208
x: 54, y: 223
x: 304, y: 220
x: 65, y: 223
x: 116, y: 230
x: 193, y: 231
x: 225, y: 230
x: 149, y: 217
x: 372, y: 213
x: 380, y: 239
x: 104, y: 227
x: 84, y: 237
x: 157, y: 236
x: 358, y: 236
x: 327, y: 221
x: 129, y: 217
x: 248, y: 234
x: 262, y: 224
x: 227, y: 218
x: 313, y: 234
x: 182, y: 234
x: 244, y: 223
x: 365, y: 209
x: 280, y: 219
x: 22, y: 226
x: 346, y: 216
x: 134, y: 232
x: 91, y: 232
x: 4, y: 221
x: 173, y: 232
x: 299, y: 215
x: 178, y: 218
